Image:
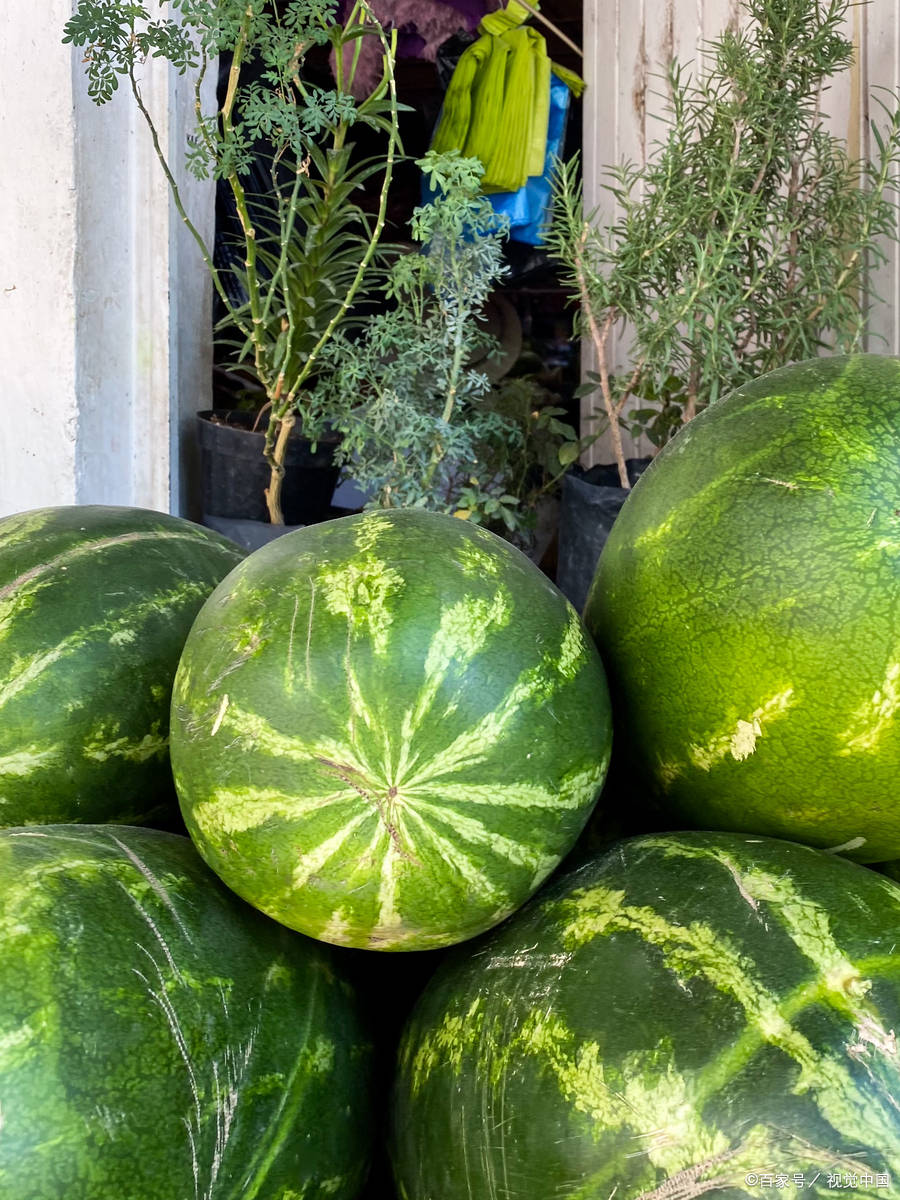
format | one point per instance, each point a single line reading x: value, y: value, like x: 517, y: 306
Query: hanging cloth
x: 497, y: 104
x: 456, y: 114
x: 527, y: 210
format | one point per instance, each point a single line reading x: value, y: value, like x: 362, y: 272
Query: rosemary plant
x: 421, y: 427
x: 303, y: 269
x: 744, y: 242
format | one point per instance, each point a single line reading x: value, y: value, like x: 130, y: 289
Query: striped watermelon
x: 388, y: 729
x: 160, y: 1040
x: 95, y: 605
x: 686, y: 1014
x: 745, y: 607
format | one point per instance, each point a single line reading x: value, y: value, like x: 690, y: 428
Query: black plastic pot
x: 249, y: 535
x: 591, y: 501
x: 234, y: 474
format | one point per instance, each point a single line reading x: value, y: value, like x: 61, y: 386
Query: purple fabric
x: 472, y: 10
x: 422, y: 26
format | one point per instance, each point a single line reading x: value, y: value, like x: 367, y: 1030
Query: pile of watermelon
x: 364, y: 867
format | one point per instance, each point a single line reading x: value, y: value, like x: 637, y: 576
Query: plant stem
x: 600, y: 339
x: 437, y: 450
x: 273, y: 491
x: 284, y: 401
x: 257, y: 336
x: 390, y: 157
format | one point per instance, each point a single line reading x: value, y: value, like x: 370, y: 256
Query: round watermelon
x: 687, y: 1014
x: 388, y: 729
x: 161, y: 1040
x: 95, y: 605
x: 745, y: 607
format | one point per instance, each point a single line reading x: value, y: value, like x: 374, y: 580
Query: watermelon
x: 95, y: 605
x: 745, y: 607
x: 388, y: 729
x: 687, y: 1014
x: 160, y: 1040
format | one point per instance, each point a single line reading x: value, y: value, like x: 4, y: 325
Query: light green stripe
x: 738, y: 740
x: 23, y: 762
x: 454, y: 857
x: 118, y: 626
x: 238, y: 810
x: 51, y: 567
x: 358, y: 709
x: 339, y: 760
x: 473, y: 745
x: 573, y: 650
x: 151, y: 745
x: 874, y: 718
x: 688, y: 950
x: 478, y: 562
x: 389, y: 922
x: 698, y: 949
x: 521, y: 794
x: 363, y: 591
x: 474, y: 831
x: 315, y: 858
x: 461, y: 636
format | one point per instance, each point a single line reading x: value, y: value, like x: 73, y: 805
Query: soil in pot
x: 234, y: 474
x: 591, y: 501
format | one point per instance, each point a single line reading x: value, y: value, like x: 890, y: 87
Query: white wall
x: 38, y: 209
x: 104, y: 301
x: 628, y: 44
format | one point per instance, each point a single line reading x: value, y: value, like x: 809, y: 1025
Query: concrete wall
x: 104, y: 301
x: 38, y: 211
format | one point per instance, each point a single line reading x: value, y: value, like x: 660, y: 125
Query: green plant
x: 744, y: 242
x: 305, y: 263
x: 529, y: 463
x: 421, y: 427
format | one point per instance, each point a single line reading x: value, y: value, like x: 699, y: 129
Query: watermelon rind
x: 95, y: 604
x: 688, y: 1014
x: 745, y: 606
x: 388, y: 729
x: 160, y: 1040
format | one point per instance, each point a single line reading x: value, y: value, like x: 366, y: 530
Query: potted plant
x: 422, y: 422
x: 744, y: 241
x: 306, y: 246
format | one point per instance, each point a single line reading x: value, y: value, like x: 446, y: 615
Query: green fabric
x: 573, y: 82
x: 510, y: 164
x: 537, y: 150
x: 511, y: 17
x: 497, y: 105
x: 456, y: 114
x: 487, y: 99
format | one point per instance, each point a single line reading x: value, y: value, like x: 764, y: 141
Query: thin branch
x: 545, y: 21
